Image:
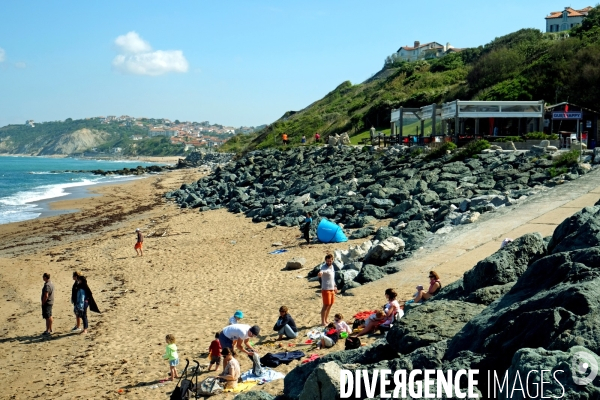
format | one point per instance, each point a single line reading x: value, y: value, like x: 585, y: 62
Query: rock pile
x: 533, y: 305
x: 354, y: 187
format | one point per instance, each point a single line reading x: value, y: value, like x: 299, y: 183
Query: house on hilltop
x: 566, y: 19
x: 425, y: 51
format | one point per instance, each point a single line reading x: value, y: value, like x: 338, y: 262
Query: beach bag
x: 352, y: 343
x: 209, y: 387
x: 357, y: 323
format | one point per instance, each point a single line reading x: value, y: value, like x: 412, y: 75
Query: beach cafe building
x: 466, y: 120
x: 572, y: 123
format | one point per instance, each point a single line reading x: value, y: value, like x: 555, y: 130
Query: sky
x: 235, y: 63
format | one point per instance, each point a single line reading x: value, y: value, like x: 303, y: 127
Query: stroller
x: 187, y: 389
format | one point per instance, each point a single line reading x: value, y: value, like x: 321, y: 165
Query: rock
x: 597, y: 155
x: 369, y: 273
x: 384, y: 251
x: 333, y: 140
x: 544, y: 143
x: 551, y: 149
x: 464, y: 205
x: 537, y: 149
x: 429, y: 323
x: 277, y: 244
x: 356, y: 265
x: 581, y: 230
x: 295, y: 263
x: 362, y: 233
x: 344, y: 139
x: 383, y: 233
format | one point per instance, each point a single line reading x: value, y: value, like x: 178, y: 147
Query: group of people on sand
x: 81, y: 298
x: 235, y: 337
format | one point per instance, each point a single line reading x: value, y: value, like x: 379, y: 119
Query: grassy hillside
x: 524, y: 65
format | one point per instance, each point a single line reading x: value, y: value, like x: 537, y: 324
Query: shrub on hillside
x: 541, y: 136
x: 567, y: 159
x: 441, y: 151
x: 471, y: 149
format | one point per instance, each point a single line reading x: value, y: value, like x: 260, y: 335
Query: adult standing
x: 238, y: 336
x: 285, y: 325
x: 306, y: 227
x: 47, y: 302
x: 74, y: 289
x: 328, y: 288
x: 317, y: 137
x: 303, y: 140
x: 140, y: 242
x: 85, y: 300
x: 285, y: 139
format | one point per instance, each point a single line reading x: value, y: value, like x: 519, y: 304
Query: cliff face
x: 75, y: 142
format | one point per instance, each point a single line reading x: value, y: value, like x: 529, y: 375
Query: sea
x: 27, y: 184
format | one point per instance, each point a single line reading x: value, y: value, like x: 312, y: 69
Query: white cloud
x: 132, y: 43
x: 2, y: 55
x: 136, y: 57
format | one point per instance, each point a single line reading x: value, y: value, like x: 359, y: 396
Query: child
x: 341, y: 325
x: 215, y: 352
x: 329, y: 337
x: 172, y: 356
x: 237, y: 316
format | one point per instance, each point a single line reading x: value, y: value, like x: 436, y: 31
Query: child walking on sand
x: 172, y: 356
x: 214, y: 352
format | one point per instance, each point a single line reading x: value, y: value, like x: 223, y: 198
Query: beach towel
x: 312, y: 357
x: 242, y: 387
x: 314, y: 334
x: 278, y: 251
x: 267, y: 375
x: 364, y: 314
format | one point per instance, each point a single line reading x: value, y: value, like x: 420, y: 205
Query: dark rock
x: 383, y: 233
x: 254, y: 395
x: 362, y: 232
x: 369, y: 273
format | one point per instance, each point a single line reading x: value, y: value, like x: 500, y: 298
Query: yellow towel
x: 242, y: 387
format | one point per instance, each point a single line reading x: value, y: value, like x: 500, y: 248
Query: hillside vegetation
x: 524, y: 65
x: 78, y: 136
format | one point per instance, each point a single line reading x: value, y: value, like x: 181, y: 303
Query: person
x: 329, y: 337
x: 505, y: 242
x: 328, y: 288
x: 306, y: 227
x: 231, y: 368
x: 214, y: 352
x: 303, y: 139
x: 47, y: 302
x: 434, y: 287
x: 372, y: 130
x: 392, y: 308
x: 74, y: 289
x: 341, y: 325
x: 372, y: 323
x: 285, y: 325
x: 140, y: 242
x: 285, y: 139
x: 495, y: 131
x: 82, y: 303
x: 238, y: 336
x: 317, y: 137
x: 237, y: 316
x: 172, y: 356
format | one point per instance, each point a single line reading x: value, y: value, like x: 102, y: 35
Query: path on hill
x: 462, y: 248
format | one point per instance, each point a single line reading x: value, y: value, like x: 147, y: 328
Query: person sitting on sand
x: 238, y: 336
x: 392, y: 308
x: 237, y: 316
x: 214, y: 352
x: 232, y: 371
x: 329, y: 337
x: 372, y: 323
x: 285, y: 325
x: 340, y: 324
x: 139, y: 244
x: 172, y: 356
x: 434, y: 287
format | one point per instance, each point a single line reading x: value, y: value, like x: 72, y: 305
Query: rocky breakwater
x: 533, y: 305
x: 355, y: 187
x: 206, y: 160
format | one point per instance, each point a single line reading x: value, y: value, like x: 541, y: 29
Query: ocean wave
x: 45, y: 173
x: 18, y: 214
x: 44, y: 192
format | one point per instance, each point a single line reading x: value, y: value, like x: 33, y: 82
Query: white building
x: 425, y: 51
x: 566, y: 19
x: 152, y: 132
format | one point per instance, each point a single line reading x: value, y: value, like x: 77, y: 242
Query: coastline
x: 169, y: 160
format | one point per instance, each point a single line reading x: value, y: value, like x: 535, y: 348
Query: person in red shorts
x: 139, y: 243
x: 328, y: 288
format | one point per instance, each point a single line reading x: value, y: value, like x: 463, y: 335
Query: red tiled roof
x: 571, y: 12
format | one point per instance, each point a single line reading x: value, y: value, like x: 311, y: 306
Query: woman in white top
x: 389, y: 314
x: 232, y: 371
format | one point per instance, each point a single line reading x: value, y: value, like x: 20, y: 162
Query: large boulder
x: 323, y: 383
x: 581, y: 230
x: 369, y: 273
x: 296, y: 263
x: 429, y: 323
x: 382, y: 252
x: 254, y: 395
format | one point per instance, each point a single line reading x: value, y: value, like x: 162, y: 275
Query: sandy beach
x: 197, y: 269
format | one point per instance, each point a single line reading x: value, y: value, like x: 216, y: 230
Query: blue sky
x: 229, y: 62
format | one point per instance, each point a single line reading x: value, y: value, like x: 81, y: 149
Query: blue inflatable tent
x: 328, y: 232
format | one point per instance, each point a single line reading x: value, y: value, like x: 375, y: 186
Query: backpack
x: 352, y: 343
x: 208, y: 387
x: 357, y: 323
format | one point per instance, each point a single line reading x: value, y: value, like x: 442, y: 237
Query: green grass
x: 472, y: 148
x: 567, y: 159
x: 355, y: 140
